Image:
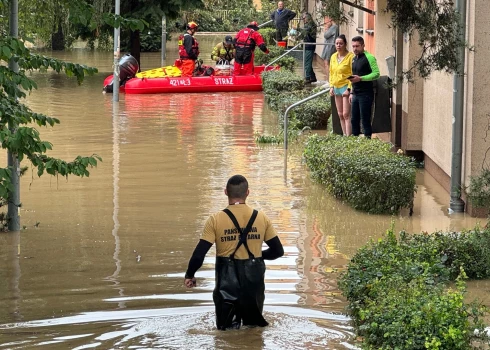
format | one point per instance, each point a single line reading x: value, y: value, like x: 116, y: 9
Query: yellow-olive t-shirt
x: 220, y: 229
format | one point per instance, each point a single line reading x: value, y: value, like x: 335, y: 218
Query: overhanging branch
x: 365, y: 9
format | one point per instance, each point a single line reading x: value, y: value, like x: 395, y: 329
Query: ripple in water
x: 187, y: 328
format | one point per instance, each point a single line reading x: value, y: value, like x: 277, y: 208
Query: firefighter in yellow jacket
x: 224, y: 51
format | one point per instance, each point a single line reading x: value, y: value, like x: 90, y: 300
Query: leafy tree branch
x: 16, y: 133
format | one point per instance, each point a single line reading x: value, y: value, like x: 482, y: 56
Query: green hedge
x: 314, y: 114
x: 269, y: 35
x: 398, y: 295
x: 277, y: 81
x: 283, y: 88
x: 363, y: 172
x: 287, y: 63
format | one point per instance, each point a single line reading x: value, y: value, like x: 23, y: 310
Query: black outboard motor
x: 128, y: 67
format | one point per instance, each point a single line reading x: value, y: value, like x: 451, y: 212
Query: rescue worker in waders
x: 224, y: 51
x: 238, y: 232
x: 245, y: 42
x: 188, y: 49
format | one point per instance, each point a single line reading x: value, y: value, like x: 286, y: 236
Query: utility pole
x: 164, y: 38
x: 117, y: 53
x: 456, y: 203
x: 12, y: 160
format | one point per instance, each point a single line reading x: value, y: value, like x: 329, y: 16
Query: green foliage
x: 398, y: 296
x: 294, y: 134
x: 276, y: 81
x: 469, y: 249
x: 269, y: 35
x: 479, y: 189
x: 282, y: 88
x: 313, y: 113
x: 225, y: 16
x: 87, y: 19
x: 16, y: 133
x: 272, y: 139
x: 286, y: 63
x: 363, y: 172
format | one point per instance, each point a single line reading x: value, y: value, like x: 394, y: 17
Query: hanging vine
x: 436, y: 23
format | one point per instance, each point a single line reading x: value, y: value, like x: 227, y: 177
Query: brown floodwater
x: 100, y: 261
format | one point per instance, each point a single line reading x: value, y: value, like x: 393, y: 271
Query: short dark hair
x: 358, y: 39
x: 237, y: 186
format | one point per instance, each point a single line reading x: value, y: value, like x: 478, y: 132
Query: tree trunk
x: 58, y: 38
x: 135, y: 45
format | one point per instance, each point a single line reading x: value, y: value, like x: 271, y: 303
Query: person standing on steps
x: 238, y: 232
x: 281, y: 18
x: 309, y: 36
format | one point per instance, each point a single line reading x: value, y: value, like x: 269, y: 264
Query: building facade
x: 422, y: 112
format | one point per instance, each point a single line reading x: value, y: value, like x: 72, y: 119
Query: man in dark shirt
x: 364, y: 71
x: 281, y: 18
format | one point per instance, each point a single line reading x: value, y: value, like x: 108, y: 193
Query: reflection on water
x: 105, y: 266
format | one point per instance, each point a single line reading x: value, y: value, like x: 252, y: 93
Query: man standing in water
x: 238, y: 232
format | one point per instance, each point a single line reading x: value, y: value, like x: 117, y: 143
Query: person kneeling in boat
x: 224, y: 51
x: 245, y: 42
x: 188, y: 49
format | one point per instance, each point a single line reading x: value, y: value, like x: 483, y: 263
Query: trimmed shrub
x: 363, y: 172
x: 313, y: 114
x: 269, y: 34
x: 277, y: 81
x: 398, y: 296
x: 286, y: 63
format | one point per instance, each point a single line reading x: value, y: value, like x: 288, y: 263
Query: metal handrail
x: 294, y: 105
x: 284, y: 54
x: 265, y: 23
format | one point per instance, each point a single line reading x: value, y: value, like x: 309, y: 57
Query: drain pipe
x: 117, y: 53
x: 294, y: 105
x: 12, y: 160
x: 164, y: 39
x: 456, y: 203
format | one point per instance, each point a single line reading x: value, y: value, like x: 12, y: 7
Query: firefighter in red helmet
x: 188, y: 49
x: 245, y: 42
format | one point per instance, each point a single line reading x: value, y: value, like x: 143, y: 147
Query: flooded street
x: 101, y: 260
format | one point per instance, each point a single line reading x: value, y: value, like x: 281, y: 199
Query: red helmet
x: 192, y: 25
x: 253, y: 25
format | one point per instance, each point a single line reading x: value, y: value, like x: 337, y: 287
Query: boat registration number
x: 180, y: 82
x: 223, y: 81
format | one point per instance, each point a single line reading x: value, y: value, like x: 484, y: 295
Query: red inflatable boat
x: 150, y: 83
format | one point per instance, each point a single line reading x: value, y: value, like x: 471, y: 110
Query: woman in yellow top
x: 340, y: 86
